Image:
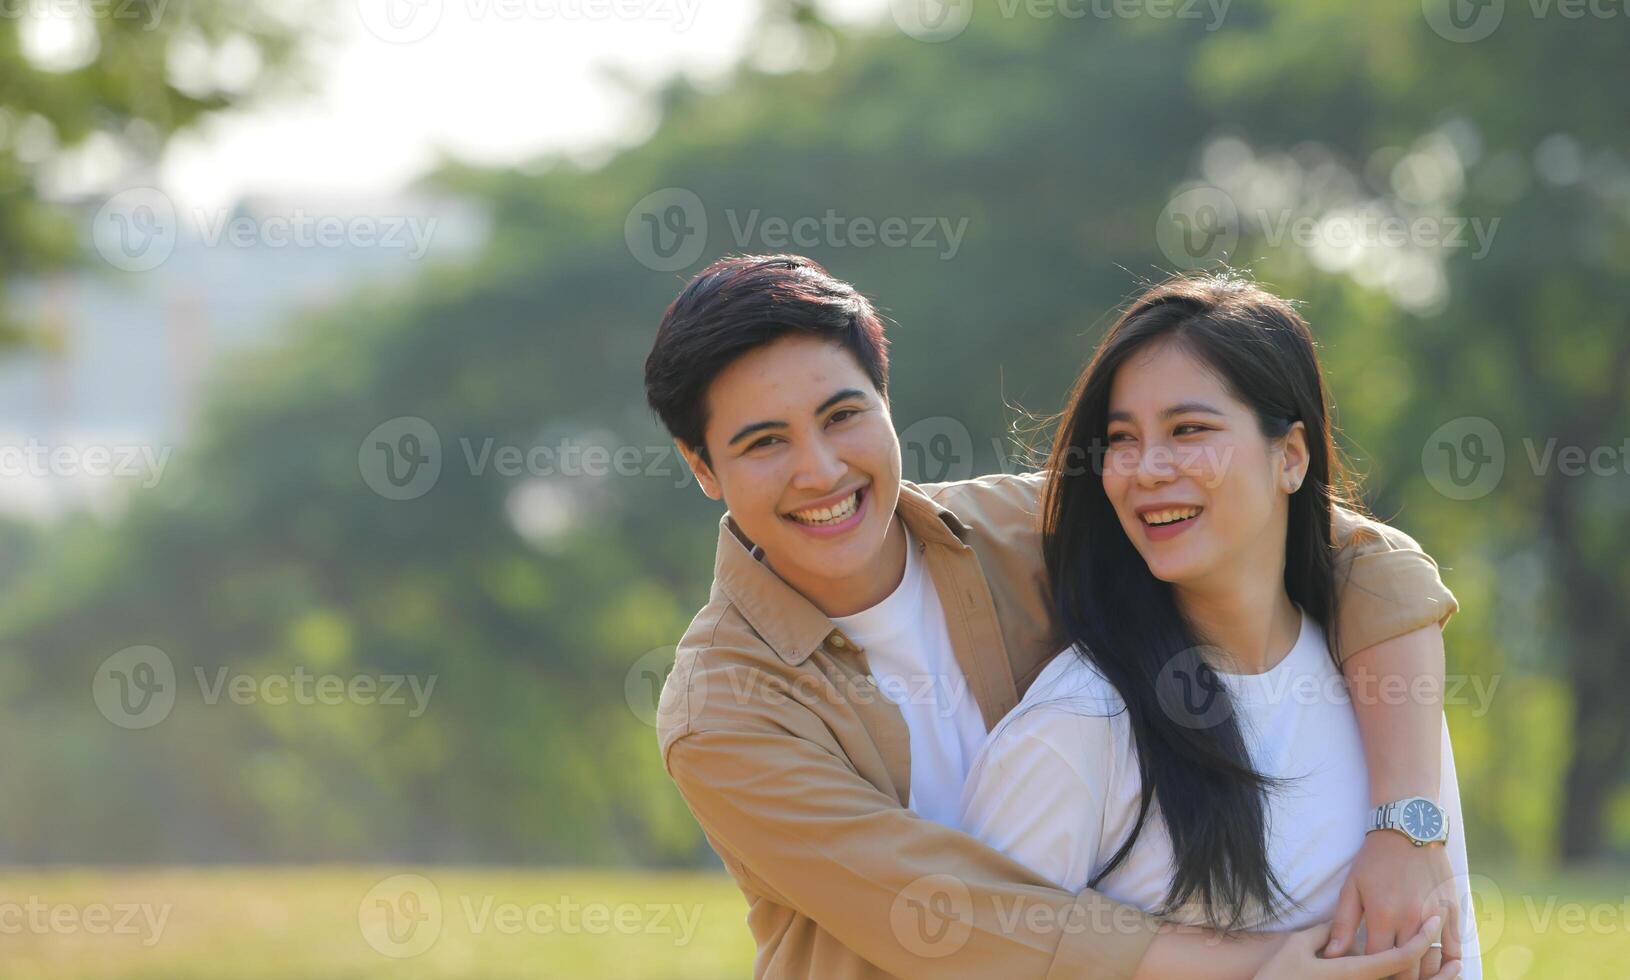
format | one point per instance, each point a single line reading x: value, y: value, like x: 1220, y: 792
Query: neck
x: 1250, y: 617
x: 857, y: 593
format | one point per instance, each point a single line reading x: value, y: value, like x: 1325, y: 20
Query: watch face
x: 1421, y: 820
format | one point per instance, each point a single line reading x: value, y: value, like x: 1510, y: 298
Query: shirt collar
x: 791, y: 624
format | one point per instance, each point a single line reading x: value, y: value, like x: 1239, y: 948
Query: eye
x: 763, y: 441
x: 842, y: 413
x: 1119, y: 436
x: 1190, y: 428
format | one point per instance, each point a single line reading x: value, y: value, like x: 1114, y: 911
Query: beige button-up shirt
x: 799, y: 770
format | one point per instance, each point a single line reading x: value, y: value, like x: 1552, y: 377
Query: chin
x: 1176, y: 569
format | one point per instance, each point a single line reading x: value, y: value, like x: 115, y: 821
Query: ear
x: 1294, y: 462
x: 703, y: 472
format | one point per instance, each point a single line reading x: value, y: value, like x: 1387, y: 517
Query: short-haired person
x: 864, y: 636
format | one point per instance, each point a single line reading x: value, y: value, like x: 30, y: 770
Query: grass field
x: 340, y: 923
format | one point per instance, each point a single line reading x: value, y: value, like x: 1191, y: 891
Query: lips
x: 829, y: 512
x: 1162, y: 522
x: 1166, y: 515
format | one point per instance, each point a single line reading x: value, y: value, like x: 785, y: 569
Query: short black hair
x: 743, y: 302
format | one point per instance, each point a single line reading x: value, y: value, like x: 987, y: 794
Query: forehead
x: 790, y: 372
x: 1165, y: 373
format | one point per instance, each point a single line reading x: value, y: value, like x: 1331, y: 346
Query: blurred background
x: 341, y: 561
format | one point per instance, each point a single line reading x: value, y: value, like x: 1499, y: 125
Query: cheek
x: 1120, y: 468
x: 1207, y: 463
x: 753, y: 486
x: 1116, y: 483
x: 873, y: 446
x: 1243, y: 488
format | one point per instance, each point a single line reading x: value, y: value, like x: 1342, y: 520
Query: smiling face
x: 1200, y: 491
x: 803, y: 452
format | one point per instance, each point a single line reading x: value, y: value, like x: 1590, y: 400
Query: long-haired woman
x: 1194, y: 752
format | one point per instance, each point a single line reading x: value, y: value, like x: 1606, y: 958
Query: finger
x: 1344, y: 927
x: 1431, y: 964
x: 1314, y: 937
x: 1380, y: 934
x: 1408, y: 924
x: 1449, y: 971
x: 1452, y: 924
x: 1375, y: 966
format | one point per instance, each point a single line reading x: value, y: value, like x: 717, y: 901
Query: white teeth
x: 828, y: 515
x: 1169, y: 516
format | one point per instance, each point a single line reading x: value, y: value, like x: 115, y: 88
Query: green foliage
x: 1059, y: 141
x: 132, y: 74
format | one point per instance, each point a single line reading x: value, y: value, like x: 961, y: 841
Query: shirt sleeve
x: 911, y: 896
x: 1386, y: 585
x: 1041, y: 790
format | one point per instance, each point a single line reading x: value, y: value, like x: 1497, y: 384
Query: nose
x: 819, y: 467
x: 1156, y: 465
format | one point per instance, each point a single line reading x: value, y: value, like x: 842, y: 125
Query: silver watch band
x: 1388, y: 817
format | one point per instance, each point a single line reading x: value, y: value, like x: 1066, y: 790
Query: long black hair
x: 1126, y: 621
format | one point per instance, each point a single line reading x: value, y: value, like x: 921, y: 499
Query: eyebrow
x: 754, y: 427
x: 1180, y: 409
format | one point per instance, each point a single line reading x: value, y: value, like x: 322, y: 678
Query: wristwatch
x: 1416, y: 817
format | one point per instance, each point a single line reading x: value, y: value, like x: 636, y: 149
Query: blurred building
x: 114, y: 388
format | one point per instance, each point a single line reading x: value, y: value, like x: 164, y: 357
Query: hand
x: 1298, y: 958
x: 1393, y: 886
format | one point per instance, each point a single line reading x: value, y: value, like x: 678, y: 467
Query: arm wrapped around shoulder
x: 1386, y: 585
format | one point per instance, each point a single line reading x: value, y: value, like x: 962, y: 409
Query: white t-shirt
x: 908, y: 649
x: 1057, y: 787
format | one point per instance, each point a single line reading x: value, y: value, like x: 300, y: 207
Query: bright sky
x: 492, y: 81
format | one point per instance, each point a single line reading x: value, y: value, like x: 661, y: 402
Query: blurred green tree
x: 100, y: 87
x: 541, y: 598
